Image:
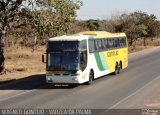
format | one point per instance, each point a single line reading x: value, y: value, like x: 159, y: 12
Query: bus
x: 83, y: 57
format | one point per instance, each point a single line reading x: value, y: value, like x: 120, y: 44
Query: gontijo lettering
x: 112, y: 53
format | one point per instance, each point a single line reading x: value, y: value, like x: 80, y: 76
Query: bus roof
x: 101, y: 34
x: 87, y: 35
x: 76, y: 37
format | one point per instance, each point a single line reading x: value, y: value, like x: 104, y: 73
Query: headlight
x: 77, y: 73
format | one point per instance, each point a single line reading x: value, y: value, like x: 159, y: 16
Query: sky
x: 105, y: 9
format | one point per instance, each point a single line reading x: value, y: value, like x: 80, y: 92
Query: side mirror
x: 43, y: 58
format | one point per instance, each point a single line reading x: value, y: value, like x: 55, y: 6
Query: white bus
x: 75, y: 59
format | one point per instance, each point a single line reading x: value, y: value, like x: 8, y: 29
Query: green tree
x: 93, y: 25
x: 57, y: 18
x: 44, y: 17
x: 138, y: 25
x: 9, y: 14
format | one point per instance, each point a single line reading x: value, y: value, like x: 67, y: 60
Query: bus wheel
x: 91, y: 77
x: 117, y: 69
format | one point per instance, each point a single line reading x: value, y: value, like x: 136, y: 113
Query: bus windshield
x: 63, y: 55
x: 63, y: 46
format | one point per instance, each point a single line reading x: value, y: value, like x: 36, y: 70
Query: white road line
x: 19, y: 94
x: 16, y: 95
x: 134, y: 93
x: 104, y: 111
x: 113, y: 107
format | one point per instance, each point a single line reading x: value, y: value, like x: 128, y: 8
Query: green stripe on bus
x: 99, y: 62
x: 103, y: 60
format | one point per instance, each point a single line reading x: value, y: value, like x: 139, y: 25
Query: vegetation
x: 136, y: 25
x: 31, y: 18
x: 31, y: 22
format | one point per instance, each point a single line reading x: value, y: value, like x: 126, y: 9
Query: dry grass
x: 23, y: 59
x: 139, y: 44
x: 22, y: 62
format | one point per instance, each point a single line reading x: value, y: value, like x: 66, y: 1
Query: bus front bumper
x: 64, y: 79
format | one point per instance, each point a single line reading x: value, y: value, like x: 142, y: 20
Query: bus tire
x: 117, y: 69
x: 91, y: 77
x: 120, y: 63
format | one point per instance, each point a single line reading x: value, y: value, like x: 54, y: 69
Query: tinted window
x: 98, y: 44
x: 83, y: 60
x: 124, y: 42
x: 62, y: 45
x: 66, y: 60
x: 116, y: 42
x: 110, y: 42
x: 83, y: 45
x: 91, y: 46
x: 103, y: 44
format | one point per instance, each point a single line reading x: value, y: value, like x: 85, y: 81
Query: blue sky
x: 103, y: 9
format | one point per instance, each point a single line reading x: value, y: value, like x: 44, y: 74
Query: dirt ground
x: 21, y: 62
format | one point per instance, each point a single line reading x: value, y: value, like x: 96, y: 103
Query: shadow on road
x: 30, y: 83
x: 39, y: 82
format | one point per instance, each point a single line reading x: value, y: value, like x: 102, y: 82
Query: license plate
x: 58, y: 72
x: 61, y: 85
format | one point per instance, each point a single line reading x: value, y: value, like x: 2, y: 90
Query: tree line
x: 31, y: 22
x: 136, y: 25
x: 44, y: 24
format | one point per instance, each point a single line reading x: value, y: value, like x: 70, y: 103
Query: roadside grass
x: 139, y: 44
x: 21, y: 62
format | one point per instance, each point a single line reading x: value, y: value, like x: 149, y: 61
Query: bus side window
x: 124, y: 42
x: 83, y: 54
x: 96, y: 45
x: 116, y: 42
x: 120, y: 42
x: 83, y: 44
x: 103, y: 44
x: 106, y: 44
x: 99, y: 44
x: 109, y: 43
x: 91, y: 46
x: 83, y: 60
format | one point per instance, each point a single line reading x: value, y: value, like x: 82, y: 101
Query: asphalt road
x: 126, y: 90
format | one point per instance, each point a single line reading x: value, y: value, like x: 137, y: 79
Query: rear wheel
x: 91, y: 77
x: 117, y: 69
x: 120, y: 65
